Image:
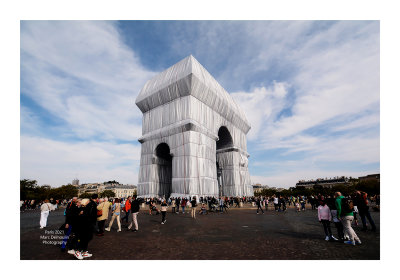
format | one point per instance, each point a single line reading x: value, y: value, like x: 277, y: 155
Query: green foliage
x: 107, y: 193
x: 63, y: 192
x: 85, y: 195
x: 371, y: 187
x: 30, y: 190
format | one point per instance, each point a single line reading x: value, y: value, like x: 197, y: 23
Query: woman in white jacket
x: 44, y: 213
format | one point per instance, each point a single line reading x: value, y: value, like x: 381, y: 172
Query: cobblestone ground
x: 239, y: 234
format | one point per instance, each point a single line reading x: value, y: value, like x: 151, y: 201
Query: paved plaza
x: 239, y: 234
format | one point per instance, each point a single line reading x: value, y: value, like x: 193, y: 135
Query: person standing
x: 221, y: 205
x: 135, y: 211
x: 324, y: 217
x: 104, y: 207
x: 345, y: 213
x: 44, y: 213
x: 164, y: 207
x: 183, y: 205
x: 363, y: 210
x: 86, y: 223
x: 116, y: 212
x: 283, y: 203
x: 173, y: 204
x: 276, y: 201
x: 73, y: 224
x: 68, y: 213
x: 194, y: 205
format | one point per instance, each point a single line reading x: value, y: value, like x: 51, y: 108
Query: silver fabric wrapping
x: 185, y: 107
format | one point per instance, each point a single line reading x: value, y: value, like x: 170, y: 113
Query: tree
x: 85, y: 195
x: 64, y: 192
x: 107, y: 193
x: 111, y: 182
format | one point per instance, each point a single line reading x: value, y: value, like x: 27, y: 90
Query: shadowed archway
x: 164, y: 169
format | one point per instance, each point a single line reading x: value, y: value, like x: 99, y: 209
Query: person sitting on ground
x: 203, y: 209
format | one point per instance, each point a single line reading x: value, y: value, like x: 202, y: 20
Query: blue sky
x: 310, y: 90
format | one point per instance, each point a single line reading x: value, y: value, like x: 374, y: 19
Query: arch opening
x: 224, y: 138
x: 163, y: 170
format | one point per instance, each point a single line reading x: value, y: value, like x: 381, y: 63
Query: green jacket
x: 338, y: 203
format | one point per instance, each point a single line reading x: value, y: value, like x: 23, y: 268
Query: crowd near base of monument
x: 242, y: 233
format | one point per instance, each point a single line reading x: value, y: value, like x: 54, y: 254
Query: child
x: 324, y: 217
x: 297, y: 206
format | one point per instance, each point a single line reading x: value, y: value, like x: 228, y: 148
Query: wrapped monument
x: 194, y: 136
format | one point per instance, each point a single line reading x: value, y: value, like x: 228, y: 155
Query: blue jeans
x: 364, y: 214
x: 126, y: 216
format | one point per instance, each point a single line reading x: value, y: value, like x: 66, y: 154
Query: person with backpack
x: 345, y: 208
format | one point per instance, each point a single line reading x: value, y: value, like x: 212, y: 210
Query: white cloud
x: 83, y: 73
x: 56, y: 163
x: 262, y: 105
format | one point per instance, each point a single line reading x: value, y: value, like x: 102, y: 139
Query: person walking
x: 135, y: 211
x: 116, y: 212
x: 194, y: 205
x: 259, y: 206
x: 127, y: 209
x: 330, y: 201
x: 45, y: 209
x: 164, y: 207
x: 345, y: 213
x: 102, y: 215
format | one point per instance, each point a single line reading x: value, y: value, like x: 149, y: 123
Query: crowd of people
x: 85, y: 217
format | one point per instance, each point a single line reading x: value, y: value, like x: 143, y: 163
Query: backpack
x: 347, y: 205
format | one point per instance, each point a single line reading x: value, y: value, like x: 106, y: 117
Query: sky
x: 310, y: 90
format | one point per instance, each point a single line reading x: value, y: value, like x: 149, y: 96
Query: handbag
x: 100, y: 212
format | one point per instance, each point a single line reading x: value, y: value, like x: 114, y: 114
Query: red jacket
x: 127, y: 205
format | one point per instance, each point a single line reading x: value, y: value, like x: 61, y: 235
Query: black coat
x: 135, y: 206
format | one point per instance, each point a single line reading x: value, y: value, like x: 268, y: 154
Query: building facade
x: 122, y: 191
